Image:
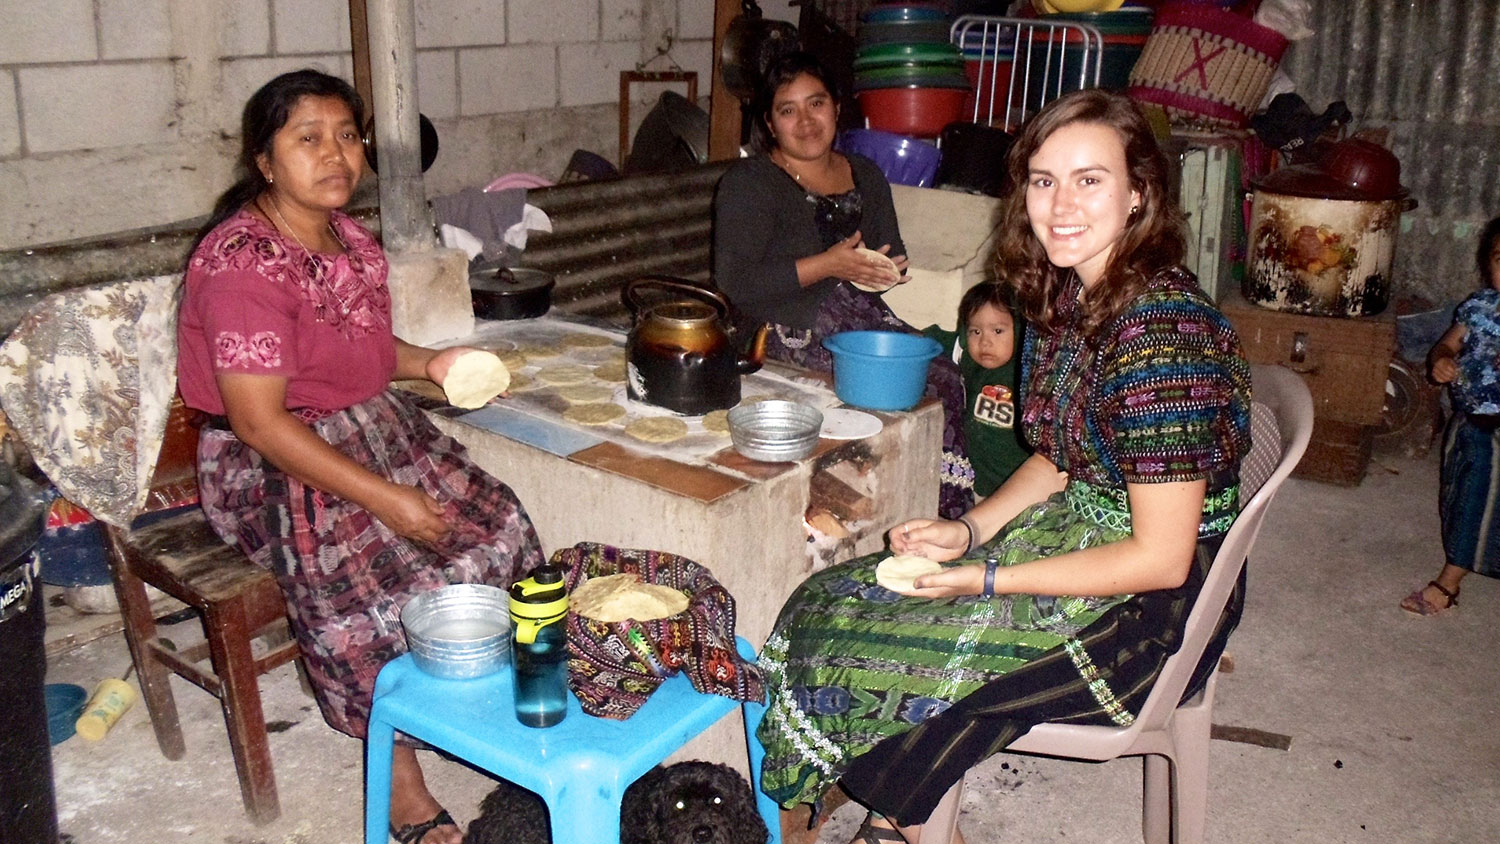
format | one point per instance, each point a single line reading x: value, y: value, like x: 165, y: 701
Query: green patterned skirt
x: 850, y: 663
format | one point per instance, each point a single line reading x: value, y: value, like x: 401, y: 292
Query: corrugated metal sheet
x: 1429, y: 71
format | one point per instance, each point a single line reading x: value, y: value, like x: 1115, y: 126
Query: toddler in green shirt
x: 984, y: 347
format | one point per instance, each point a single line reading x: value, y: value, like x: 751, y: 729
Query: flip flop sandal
x: 413, y: 833
x: 1417, y: 604
x: 870, y: 834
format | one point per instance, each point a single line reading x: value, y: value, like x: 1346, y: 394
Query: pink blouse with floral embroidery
x: 257, y: 303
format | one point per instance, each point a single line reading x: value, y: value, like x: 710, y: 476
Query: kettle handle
x: 632, y: 301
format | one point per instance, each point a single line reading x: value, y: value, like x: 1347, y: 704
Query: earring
x: 1134, y: 208
x: 272, y: 181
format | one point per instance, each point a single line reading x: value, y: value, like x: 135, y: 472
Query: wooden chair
x: 178, y: 553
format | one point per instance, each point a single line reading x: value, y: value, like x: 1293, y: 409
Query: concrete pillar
x: 405, y: 224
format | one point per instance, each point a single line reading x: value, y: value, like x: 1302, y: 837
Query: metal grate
x: 1032, y: 61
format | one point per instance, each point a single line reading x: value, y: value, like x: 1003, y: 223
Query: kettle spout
x: 756, y: 356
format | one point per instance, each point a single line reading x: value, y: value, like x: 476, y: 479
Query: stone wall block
x: 47, y: 31
x: 437, y: 83
x: 243, y: 77
x: 590, y: 73
x: 695, y: 19
x: 460, y: 23
x: 500, y: 79
x: 620, y: 20
x: 10, y: 117
x: 552, y: 21
x: 93, y: 106
x: 310, y: 26
x: 134, y: 29
x: 247, y: 28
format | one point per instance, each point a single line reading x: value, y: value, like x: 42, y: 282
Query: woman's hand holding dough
x: 848, y: 259
x: 935, y: 539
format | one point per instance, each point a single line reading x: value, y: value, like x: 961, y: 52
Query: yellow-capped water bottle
x: 538, y: 606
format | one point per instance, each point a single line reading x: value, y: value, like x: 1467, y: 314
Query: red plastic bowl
x: 920, y: 112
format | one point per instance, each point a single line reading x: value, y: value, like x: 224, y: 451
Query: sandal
x: 413, y: 833
x: 871, y: 834
x: 1417, y: 604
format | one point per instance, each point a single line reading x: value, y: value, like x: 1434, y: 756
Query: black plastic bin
x: 28, y: 809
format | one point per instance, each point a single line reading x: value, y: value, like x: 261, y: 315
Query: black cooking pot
x: 511, y: 293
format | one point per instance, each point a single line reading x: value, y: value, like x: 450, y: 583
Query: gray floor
x: 1391, y: 718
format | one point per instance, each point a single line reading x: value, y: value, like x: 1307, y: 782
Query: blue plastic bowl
x: 881, y: 370
x: 64, y: 704
x: 914, y: 12
x: 903, y: 160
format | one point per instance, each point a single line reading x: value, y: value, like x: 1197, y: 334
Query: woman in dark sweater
x: 788, y: 226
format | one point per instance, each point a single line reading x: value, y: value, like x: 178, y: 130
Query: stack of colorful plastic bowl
x: 908, y: 77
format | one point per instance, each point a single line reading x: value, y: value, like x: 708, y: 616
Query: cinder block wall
x: 119, y: 114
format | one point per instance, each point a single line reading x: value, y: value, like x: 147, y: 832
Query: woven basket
x: 614, y: 666
x: 1206, y: 66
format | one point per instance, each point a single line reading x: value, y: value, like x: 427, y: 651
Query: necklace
x: 276, y: 208
x: 786, y: 165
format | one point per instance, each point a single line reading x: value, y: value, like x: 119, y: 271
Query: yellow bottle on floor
x: 110, y: 700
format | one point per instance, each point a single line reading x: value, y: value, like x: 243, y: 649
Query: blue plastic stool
x: 580, y: 767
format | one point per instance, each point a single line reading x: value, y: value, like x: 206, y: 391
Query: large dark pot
x: 679, y: 355
x: 1321, y: 246
x: 511, y: 293
x: 750, y: 45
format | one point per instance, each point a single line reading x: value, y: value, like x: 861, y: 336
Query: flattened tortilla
x: 593, y: 414
x: 657, y: 429
x: 474, y: 378
x: 882, y: 261
x: 899, y: 573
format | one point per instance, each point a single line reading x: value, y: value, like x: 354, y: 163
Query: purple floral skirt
x: 849, y: 309
x: 346, y: 575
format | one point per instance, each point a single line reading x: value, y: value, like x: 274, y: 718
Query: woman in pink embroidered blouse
x: 309, y: 463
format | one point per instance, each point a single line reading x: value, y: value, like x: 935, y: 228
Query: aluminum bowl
x: 775, y: 431
x: 460, y: 631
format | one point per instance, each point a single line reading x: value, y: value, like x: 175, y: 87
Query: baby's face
x: 991, y: 337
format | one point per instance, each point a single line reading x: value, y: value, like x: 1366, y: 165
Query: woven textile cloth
x: 86, y: 381
x: 345, y: 574
x: 614, y: 666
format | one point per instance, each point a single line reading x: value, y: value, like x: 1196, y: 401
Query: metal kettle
x: 679, y: 355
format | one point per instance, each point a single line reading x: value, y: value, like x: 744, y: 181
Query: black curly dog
x: 686, y: 803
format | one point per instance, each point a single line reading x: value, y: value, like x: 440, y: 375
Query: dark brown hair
x: 265, y: 113
x: 1151, y: 242
x: 1486, y: 248
x: 981, y: 294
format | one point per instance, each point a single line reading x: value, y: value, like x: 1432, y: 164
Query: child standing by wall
x: 984, y: 348
x: 1467, y: 359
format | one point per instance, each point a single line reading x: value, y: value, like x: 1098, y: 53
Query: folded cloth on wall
x: 87, y: 380
x: 485, y: 214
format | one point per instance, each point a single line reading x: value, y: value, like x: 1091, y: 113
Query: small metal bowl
x: 775, y: 431
x: 460, y: 631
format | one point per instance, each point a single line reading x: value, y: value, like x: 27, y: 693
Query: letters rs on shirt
x: 995, y: 405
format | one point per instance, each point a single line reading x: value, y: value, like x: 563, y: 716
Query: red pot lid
x: 1315, y: 182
